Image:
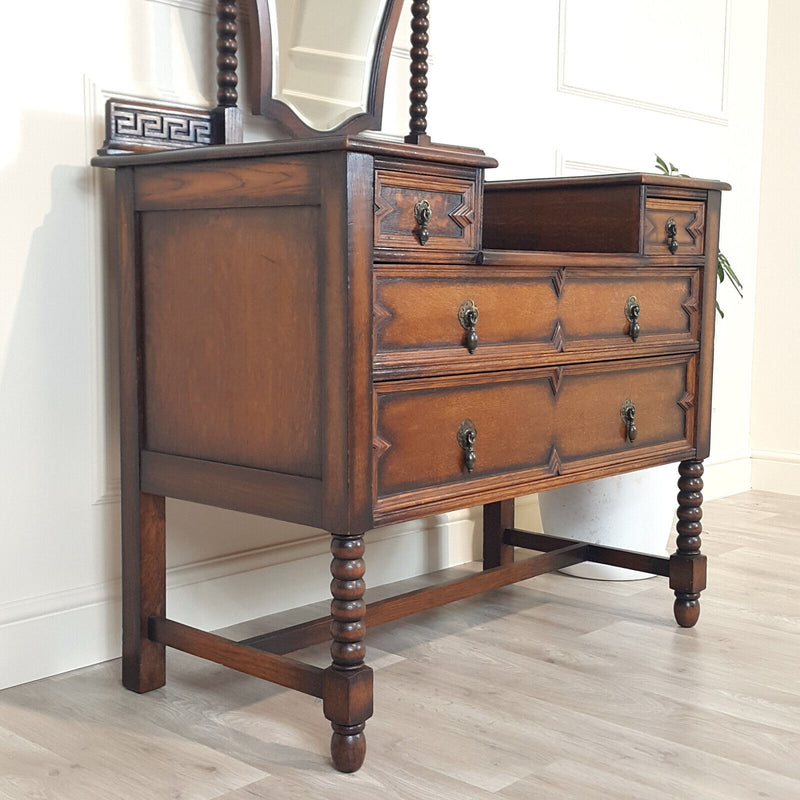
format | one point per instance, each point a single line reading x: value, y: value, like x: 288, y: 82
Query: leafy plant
x: 724, y: 269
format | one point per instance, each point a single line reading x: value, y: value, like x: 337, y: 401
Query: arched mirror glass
x: 323, y: 63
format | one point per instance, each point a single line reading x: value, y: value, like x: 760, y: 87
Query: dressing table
x: 345, y: 331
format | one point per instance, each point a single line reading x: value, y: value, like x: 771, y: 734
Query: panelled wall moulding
x: 583, y: 166
x: 204, y: 6
x: 580, y: 75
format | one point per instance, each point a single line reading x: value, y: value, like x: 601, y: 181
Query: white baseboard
x: 776, y: 471
x: 51, y: 634
x: 726, y: 477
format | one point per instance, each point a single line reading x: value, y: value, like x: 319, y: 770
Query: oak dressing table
x: 344, y: 331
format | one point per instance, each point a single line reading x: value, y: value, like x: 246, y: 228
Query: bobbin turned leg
x: 687, y: 566
x: 347, y: 689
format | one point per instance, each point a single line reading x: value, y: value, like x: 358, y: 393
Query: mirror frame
x: 266, y: 105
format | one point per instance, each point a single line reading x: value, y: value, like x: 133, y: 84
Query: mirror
x: 321, y: 65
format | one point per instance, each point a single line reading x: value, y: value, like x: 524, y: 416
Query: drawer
x: 529, y: 424
x: 422, y: 324
x: 425, y: 212
x: 675, y: 227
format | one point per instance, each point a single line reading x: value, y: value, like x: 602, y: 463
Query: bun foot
x: 348, y: 747
x: 687, y: 610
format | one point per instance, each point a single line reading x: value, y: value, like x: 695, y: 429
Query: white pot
x: 635, y: 511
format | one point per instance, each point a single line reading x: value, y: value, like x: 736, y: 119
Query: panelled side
x: 232, y: 338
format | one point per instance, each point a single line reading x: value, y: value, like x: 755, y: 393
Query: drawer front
x: 528, y: 424
x: 425, y: 212
x: 422, y: 324
x: 674, y: 227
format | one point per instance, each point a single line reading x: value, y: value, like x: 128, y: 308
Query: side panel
x: 232, y: 336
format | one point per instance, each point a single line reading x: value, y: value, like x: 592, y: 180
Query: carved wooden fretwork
x: 687, y: 401
x: 148, y: 126
x: 554, y: 462
x: 380, y: 316
x: 465, y: 213
x: 557, y: 338
x: 558, y: 279
x: 555, y: 380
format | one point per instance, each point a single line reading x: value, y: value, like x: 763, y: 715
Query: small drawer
x: 425, y: 212
x: 428, y: 324
x: 674, y: 227
x: 526, y: 424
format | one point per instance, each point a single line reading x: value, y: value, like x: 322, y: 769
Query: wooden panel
x: 529, y: 215
x: 689, y: 217
x: 453, y: 203
x: 547, y: 420
x: 225, y: 184
x: 231, y: 344
x: 253, y: 491
x: 527, y: 313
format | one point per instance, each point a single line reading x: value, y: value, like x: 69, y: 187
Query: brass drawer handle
x: 628, y: 414
x: 632, y: 311
x: 466, y: 435
x: 672, y: 235
x: 422, y: 214
x: 468, y: 317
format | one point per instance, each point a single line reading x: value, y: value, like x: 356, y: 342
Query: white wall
x: 776, y: 356
x: 522, y: 81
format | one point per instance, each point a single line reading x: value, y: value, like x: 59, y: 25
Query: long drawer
x: 430, y: 323
x: 526, y: 424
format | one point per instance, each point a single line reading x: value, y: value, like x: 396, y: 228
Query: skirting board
x: 776, y: 471
x: 45, y: 636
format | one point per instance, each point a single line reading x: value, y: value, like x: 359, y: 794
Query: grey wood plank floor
x: 554, y: 688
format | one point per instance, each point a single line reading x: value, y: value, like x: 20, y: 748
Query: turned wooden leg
x: 497, y: 517
x: 347, y: 689
x: 687, y: 566
x: 143, y: 589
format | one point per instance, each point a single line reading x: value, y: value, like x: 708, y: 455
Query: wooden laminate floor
x: 551, y: 689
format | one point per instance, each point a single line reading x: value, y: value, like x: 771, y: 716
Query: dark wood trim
x: 360, y: 306
x: 400, y: 364
x: 442, y: 154
x: 615, y: 179
x: 143, y: 519
x: 142, y: 127
x: 267, y: 666
x: 238, y: 183
x: 346, y: 193
x: 709, y: 315
x: 418, y: 503
x: 641, y: 562
x: 255, y: 491
x: 403, y: 605
x: 497, y: 518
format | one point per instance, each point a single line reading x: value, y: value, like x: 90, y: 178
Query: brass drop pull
x: 628, y: 414
x: 632, y: 311
x: 672, y: 235
x: 422, y: 214
x: 466, y: 435
x: 468, y: 317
